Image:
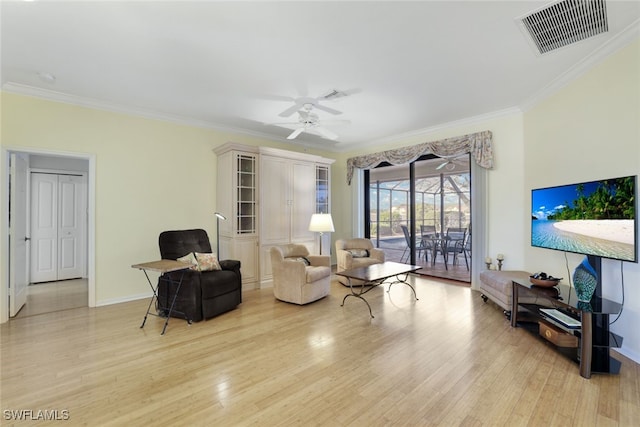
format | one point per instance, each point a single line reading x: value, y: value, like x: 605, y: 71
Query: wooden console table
x: 594, y: 337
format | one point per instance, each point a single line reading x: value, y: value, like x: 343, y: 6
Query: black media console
x: 588, y: 344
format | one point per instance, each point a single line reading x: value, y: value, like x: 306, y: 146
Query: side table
x: 163, y: 266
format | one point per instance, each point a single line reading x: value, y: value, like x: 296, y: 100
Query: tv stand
x: 593, y: 336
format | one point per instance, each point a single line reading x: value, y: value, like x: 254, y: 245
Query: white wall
x: 151, y: 176
x: 58, y: 163
x: 590, y: 130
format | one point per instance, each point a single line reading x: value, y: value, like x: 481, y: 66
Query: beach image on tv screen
x: 593, y: 218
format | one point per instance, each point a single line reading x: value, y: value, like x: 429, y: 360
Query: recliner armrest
x: 345, y: 259
x: 230, y: 264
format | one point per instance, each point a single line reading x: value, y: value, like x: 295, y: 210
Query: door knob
x: 26, y: 239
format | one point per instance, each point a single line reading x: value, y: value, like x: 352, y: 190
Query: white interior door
x: 44, y: 227
x: 18, y: 235
x: 70, y: 226
x: 57, y: 227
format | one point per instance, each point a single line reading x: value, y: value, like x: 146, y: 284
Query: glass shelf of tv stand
x: 567, y: 299
x: 594, y: 316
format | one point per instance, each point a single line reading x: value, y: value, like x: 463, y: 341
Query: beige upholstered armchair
x: 298, y: 277
x: 354, y: 253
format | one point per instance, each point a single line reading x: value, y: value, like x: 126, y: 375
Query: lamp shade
x: 321, y: 223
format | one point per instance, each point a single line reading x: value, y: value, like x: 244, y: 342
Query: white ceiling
x: 414, y: 66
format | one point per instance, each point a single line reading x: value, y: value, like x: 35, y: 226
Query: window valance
x: 478, y: 144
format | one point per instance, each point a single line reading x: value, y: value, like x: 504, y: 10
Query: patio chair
x: 454, y: 244
x: 466, y: 250
x: 429, y: 239
x: 407, y: 237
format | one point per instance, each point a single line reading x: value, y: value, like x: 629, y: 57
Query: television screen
x: 591, y: 218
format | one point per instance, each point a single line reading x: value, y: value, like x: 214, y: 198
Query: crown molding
x: 625, y: 37
x: 432, y: 129
x: 628, y: 35
x: 51, y: 95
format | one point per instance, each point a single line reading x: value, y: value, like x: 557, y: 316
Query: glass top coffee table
x: 374, y: 275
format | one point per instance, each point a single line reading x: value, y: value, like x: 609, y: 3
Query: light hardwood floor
x: 447, y: 359
x: 55, y: 296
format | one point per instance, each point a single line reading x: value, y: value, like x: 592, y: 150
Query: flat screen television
x: 596, y: 218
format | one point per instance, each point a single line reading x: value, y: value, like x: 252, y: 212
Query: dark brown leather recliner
x: 205, y: 294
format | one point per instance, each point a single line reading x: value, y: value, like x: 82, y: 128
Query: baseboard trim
x: 629, y: 354
x: 128, y: 298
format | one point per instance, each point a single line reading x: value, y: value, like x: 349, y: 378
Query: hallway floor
x: 49, y: 297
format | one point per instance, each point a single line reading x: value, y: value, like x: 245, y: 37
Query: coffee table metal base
x: 376, y: 275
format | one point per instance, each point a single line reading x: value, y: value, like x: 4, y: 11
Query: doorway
x: 58, y: 163
x: 420, y: 213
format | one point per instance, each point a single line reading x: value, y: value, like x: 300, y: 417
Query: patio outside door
x: 425, y: 198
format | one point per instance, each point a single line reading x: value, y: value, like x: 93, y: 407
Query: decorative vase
x: 585, y: 306
x: 585, y: 280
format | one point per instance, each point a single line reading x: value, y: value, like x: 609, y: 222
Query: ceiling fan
x: 302, y: 101
x: 309, y: 121
x: 450, y: 162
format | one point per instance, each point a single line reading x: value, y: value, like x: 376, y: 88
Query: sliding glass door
x: 412, y: 210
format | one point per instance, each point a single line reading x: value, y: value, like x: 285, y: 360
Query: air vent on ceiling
x: 564, y: 22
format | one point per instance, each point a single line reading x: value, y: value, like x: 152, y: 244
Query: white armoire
x: 268, y: 196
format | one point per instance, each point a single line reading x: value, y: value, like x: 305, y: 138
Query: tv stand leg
x: 586, y: 345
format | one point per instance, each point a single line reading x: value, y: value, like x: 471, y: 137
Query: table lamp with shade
x: 321, y: 223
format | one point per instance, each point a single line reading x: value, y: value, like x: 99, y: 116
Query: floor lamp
x: 219, y: 217
x: 321, y: 223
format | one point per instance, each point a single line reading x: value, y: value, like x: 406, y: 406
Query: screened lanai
x: 442, y: 203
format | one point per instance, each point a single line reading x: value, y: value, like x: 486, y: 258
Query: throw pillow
x: 190, y: 258
x: 207, y: 262
x: 359, y: 253
x: 303, y: 259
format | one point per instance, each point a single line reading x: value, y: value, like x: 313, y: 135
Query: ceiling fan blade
x: 334, y: 94
x: 283, y: 124
x: 295, y: 133
x: 327, y: 109
x: 334, y: 122
x: 289, y: 111
x: 325, y: 132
